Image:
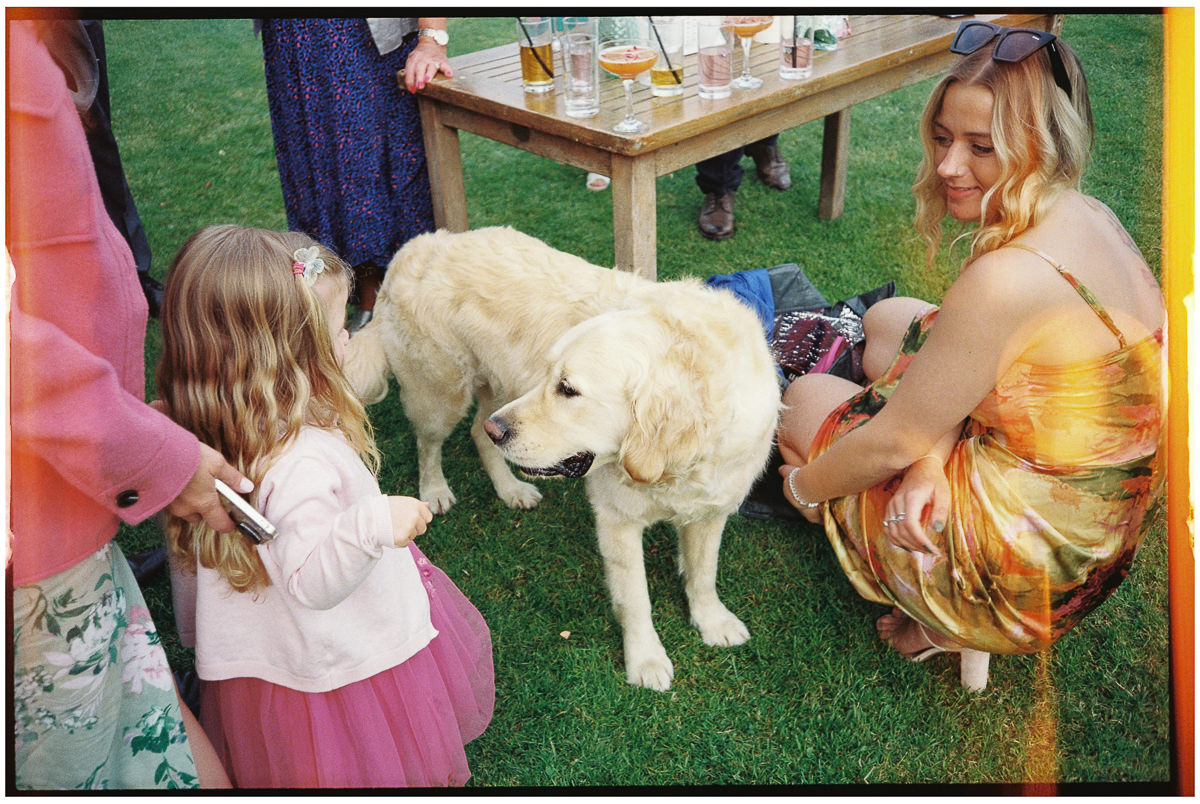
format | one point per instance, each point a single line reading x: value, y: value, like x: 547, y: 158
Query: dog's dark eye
x: 564, y: 389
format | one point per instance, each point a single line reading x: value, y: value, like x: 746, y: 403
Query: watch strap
x: 436, y: 34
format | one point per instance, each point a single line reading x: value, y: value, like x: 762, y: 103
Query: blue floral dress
x: 347, y: 137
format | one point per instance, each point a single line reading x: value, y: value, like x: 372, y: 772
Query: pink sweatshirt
x: 87, y: 452
x: 343, y: 603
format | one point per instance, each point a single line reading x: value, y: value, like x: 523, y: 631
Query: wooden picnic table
x: 884, y: 52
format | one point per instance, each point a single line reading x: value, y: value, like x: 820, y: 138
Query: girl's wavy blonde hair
x: 246, y: 362
x: 1042, y: 139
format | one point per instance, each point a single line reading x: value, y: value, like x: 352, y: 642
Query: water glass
x: 715, y: 58
x: 796, y: 48
x: 535, y: 38
x: 563, y: 26
x: 579, y: 52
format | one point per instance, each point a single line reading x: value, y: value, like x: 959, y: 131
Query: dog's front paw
x: 721, y: 628
x: 520, y: 495
x: 440, y: 499
x: 653, y: 672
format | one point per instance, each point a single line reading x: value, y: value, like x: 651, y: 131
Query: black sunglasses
x: 1012, y: 45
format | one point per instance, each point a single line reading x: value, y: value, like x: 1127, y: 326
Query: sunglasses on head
x: 1012, y: 45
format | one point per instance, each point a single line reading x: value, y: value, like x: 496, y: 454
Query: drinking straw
x: 533, y: 49
x: 795, y: 42
x: 676, y: 78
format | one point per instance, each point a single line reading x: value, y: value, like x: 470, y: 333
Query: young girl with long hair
x: 992, y: 482
x: 335, y: 654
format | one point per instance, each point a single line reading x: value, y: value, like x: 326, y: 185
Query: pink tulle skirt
x: 404, y: 727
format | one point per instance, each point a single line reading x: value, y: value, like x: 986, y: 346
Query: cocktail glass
x: 627, y: 59
x: 746, y: 27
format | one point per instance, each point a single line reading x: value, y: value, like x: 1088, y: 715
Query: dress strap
x: 1086, y: 294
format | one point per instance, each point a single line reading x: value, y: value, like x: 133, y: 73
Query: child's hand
x: 409, y: 518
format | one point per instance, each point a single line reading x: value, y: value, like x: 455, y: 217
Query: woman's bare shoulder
x: 1009, y: 278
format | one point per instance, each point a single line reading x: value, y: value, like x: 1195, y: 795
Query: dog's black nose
x: 497, y: 430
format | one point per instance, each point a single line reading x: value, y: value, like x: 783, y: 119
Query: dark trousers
x: 723, y: 174
x: 97, y: 125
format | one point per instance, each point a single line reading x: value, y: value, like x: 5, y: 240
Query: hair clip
x: 308, y: 264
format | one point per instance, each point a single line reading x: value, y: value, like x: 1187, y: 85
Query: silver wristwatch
x: 439, y: 36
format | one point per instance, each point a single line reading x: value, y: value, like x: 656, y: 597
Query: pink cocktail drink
x: 627, y: 61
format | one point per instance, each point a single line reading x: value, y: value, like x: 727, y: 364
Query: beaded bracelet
x: 800, y: 501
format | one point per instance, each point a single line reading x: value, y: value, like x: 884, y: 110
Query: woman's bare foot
x: 909, y: 638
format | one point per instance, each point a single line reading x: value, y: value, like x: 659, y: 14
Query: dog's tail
x: 366, y: 364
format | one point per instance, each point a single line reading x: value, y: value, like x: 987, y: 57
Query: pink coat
x: 87, y: 452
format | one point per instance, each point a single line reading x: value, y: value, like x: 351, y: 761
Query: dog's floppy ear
x: 669, y: 427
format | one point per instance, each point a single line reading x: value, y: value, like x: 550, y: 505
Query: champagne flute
x: 627, y: 59
x: 746, y: 27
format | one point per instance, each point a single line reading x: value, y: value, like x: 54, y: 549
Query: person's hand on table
x: 426, y: 60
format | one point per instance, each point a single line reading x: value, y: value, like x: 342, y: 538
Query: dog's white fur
x: 669, y: 387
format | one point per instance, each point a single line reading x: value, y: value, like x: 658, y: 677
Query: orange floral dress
x: 1050, y: 485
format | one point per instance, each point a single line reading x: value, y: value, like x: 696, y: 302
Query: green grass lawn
x: 813, y: 698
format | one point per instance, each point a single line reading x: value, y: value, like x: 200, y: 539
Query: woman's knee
x: 884, y: 325
x: 807, y: 402
x: 890, y: 318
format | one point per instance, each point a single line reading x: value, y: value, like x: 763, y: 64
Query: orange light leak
x: 1179, y: 236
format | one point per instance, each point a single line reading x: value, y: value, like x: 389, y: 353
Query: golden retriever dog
x: 662, y: 396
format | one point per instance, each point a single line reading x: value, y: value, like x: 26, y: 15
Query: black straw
x: 795, y: 41
x: 678, y: 78
x: 533, y: 49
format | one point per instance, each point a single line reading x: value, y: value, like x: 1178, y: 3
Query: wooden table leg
x: 834, y: 152
x: 443, y: 159
x: 635, y: 215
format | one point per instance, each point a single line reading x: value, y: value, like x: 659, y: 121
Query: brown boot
x: 769, y: 165
x: 716, y: 216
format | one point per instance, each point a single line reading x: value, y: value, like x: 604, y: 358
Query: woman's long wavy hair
x: 247, y: 361
x: 1042, y: 139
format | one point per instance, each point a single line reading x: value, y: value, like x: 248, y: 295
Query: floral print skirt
x: 94, y: 703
